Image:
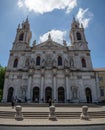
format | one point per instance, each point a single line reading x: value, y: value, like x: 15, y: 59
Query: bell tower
x: 23, y: 36
x: 77, y: 36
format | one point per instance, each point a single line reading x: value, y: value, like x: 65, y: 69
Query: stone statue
x: 54, y: 63
x: 34, y: 43
x: 43, y: 63
x: 64, y: 43
x: 32, y: 63
x: 71, y: 62
x: 66, y: 63
x: 27, y: 62
x: 49, y: 61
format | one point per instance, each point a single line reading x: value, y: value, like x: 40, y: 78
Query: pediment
x: 49, y: 44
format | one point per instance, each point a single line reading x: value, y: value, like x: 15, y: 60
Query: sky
x: 54, y: 17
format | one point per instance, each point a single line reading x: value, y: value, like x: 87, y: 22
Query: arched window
x: 38, y: 60
x: 21, y: 36
x: 59, y: 61
x: 15, y: 63
x: 83, y: 62
x: 78, y: 36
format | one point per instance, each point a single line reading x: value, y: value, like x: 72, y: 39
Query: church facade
x: 50, y: 70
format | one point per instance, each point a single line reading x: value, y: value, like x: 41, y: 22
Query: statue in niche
x: 54, y: 63
x: 74, y: 92
x: 27, y: 62
x: 23, y: 93
x: 43, y: 63
x: 49, y: 61
x: 71, y: 62
x: 66, y: 63
x: 32, y: 63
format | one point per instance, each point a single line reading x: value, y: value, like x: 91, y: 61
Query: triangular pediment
x: 49, y: 44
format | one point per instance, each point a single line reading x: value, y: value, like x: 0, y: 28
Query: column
x: 42, y: 89
x: 54, y: 85
x: 55, y: 94
x: 28, y: 93
x: 5, y: 90
x: 67, y: 88
x: 67, y: 85
x: 42, y: 92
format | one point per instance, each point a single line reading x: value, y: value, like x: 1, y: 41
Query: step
x: 42, y: 115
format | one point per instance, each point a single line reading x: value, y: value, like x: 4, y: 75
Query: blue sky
x: 54, y: 16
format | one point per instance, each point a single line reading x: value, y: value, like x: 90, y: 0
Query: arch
x: 38, y: 60
x: 88, y: 95
x: 59, y: 60
x: 48, y: 94
x: 15, y: 63
x: 78, y: 34
x: 61, y: 95
x: 36, y: 93
x: 21, y: 36
x: 10, y: 94
x: 83, y: 61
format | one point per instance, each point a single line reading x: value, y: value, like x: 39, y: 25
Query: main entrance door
x: 10, y: 94
x: 61, y: 95
x: 36, y: 94
x: 88, y: 95
x: 48, y: 94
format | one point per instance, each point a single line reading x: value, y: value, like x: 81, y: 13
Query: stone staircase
x: 59, y: 115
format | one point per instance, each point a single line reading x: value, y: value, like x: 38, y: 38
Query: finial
x: 64, y: 42
x: 18, y: 26
x: 34, y: 43
x: 27, y: 19
x: 82, y: 25
x: 49, y: 36
x: 74, y: 19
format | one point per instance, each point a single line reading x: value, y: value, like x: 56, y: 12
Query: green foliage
x: 2, y: 76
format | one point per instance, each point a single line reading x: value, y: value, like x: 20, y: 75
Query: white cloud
x: 43, y: 6
x: 20, y: 3
x: 56, y: 35
x: 84, y: 16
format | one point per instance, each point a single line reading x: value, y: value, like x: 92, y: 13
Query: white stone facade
x: 47, y: 70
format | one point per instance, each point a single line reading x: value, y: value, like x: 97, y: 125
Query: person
x: 50, y: 102
x: 13, y: 102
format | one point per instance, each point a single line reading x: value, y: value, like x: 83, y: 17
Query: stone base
x: 52, y: 117
x: 19, y: 117
x: 84, y: 117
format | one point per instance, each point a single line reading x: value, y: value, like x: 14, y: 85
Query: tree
x: 2, y: 75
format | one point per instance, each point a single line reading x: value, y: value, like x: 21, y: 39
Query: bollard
x: 84, y: 115
x: 52, y: 115
x: 18, y: 115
